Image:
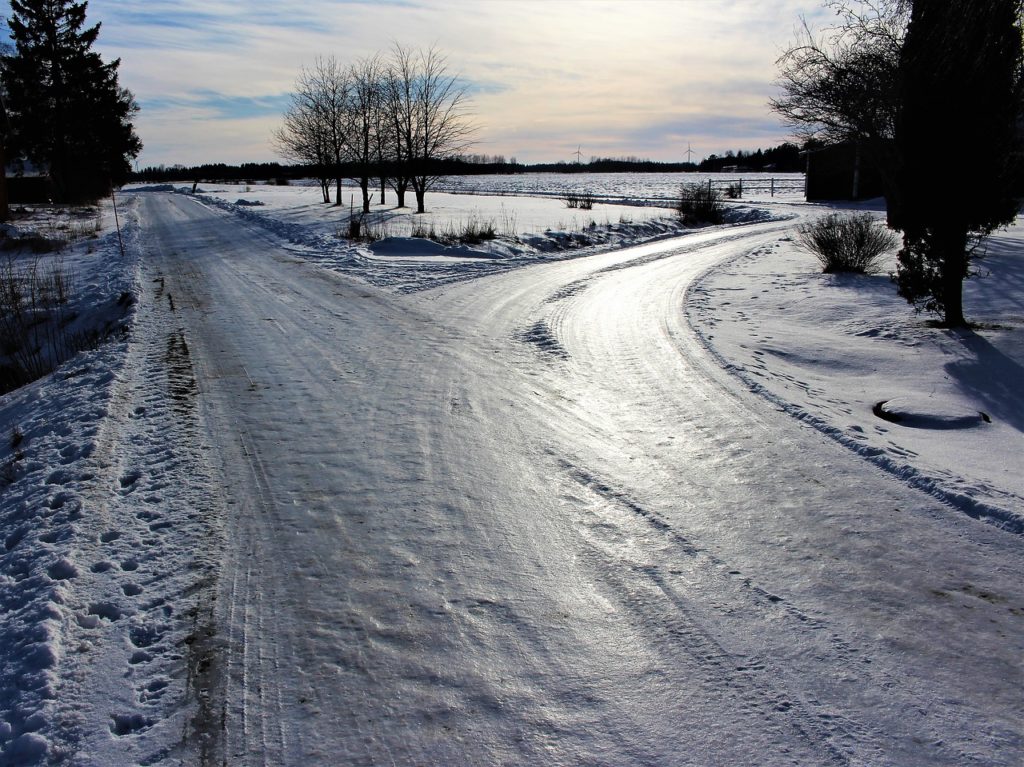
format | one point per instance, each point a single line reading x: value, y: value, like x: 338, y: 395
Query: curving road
x: 526, y: 519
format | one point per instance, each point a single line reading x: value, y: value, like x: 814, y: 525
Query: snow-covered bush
x: 847, y: 242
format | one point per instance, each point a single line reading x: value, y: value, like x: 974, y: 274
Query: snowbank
x: 941, y: 409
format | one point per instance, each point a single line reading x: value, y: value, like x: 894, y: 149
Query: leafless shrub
x: 423, y: 231
x: 700, y: 204
x: 847, y: 242
x: 471, y: 232
x: 581, y: 200
x: 366, y: 229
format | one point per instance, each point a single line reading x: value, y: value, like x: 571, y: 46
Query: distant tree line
x: 784, y: 158
x: 781, y: 159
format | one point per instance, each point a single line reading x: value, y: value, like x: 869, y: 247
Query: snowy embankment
x: 50, y: 430
x: 940, y: 409
x: 103, y: 529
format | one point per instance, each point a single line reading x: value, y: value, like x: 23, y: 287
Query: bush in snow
x: 700, y: 204
x: 847, y: 242
x: 581, y: 200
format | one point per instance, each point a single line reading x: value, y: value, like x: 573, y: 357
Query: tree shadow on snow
x: 992, y: 377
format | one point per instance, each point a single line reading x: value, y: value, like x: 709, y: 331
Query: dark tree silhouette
x: 960, y: 86
x: 365, y: 116
x: 840, y: 86
x: 427, y: 110
x: 68, y: 113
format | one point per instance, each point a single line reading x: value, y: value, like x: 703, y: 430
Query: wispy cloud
x: 640, y: 78
x: 215, y: 105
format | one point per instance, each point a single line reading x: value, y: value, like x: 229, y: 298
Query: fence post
x: 117, y: 221
x: 709, y: 187
x: 741, y: 189
x: 773, y: 187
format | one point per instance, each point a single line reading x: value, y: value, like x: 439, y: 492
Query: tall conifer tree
x: 68, y: 113
x: 960, y: 88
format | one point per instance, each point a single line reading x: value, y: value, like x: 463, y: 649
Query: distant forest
x: 784, y: 158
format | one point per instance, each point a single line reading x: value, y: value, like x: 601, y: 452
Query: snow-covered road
x: 527, y: 519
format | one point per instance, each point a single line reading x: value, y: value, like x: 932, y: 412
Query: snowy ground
x: 529, y: 229
x: 526, y: 503
x: 833, y: 349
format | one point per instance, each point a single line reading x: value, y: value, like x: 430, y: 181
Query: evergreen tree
x: 68, y: 113
x: 960, y: 80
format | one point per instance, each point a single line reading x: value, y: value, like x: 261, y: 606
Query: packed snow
x: 601, y: 490
x: 940, y: 408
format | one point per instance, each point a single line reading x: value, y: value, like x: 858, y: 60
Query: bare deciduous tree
x: 317, y: 122
x: 427, y: 107
x: 841, y: 86
x: 365, y: 106
x: 302, y: 139
x: 395, y: 120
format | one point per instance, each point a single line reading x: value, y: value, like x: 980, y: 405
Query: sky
x: 644, y: 78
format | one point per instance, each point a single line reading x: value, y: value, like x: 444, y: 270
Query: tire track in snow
x: 628, y: 539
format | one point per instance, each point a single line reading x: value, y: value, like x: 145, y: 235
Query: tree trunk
x: 5, y: 212
x: 364, y: 187
x: 401, y: 185
x: 338, y: 182
x: 383, y: 189
x: 419, y: 186
x: 954, y: 271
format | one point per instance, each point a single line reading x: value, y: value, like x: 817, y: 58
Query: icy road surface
x: 526, y: 519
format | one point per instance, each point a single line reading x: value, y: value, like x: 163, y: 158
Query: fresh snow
x: 559, y: 498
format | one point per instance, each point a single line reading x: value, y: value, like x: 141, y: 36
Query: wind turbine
x: 579, y: 155
x: 689, y: 152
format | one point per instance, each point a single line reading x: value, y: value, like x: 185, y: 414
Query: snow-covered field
x: 530, y: 228
x: 633, y: 188
x: 548, y: 499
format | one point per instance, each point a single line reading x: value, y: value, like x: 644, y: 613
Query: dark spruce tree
x: 68, y: 114
x: 960, y: 90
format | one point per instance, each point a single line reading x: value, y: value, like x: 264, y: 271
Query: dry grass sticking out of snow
x: 940, y: 408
